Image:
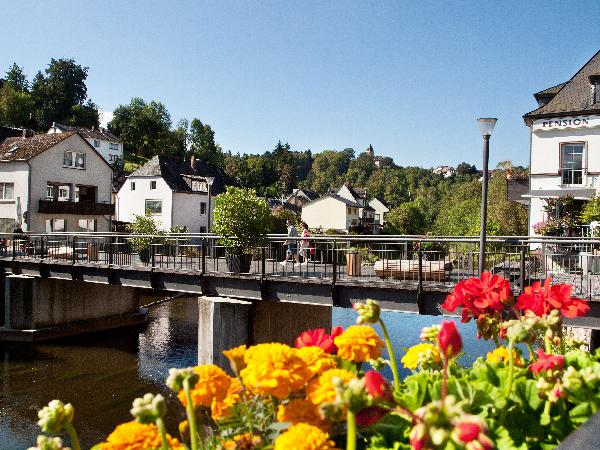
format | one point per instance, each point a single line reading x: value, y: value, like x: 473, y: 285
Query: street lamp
x: 209, y: 182
x: 486, y: 126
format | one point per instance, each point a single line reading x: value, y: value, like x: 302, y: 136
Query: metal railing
x: 417, y: 260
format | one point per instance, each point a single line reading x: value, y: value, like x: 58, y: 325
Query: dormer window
x: 595, y: 84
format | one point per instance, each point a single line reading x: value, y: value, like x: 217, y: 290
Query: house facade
x: 380, y: 211
x: 178, y: 193
x: 366, y: 213
x: 105, y: 143
x: 331, y: 212
x: 565, y: 141
x: 54, y: 183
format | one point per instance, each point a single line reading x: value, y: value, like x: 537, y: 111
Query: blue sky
x: 408, y: 77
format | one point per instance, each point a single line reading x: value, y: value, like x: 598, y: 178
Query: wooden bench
x: 408, y: 269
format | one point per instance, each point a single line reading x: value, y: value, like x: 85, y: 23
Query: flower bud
x: 177, y: 376
x: 149, y: 408
x: 429, y: 334
x: 377, y: 386
x: 55, y: 416
x: 367, y: 312
x: 418, y: 437
x: 449, y: 339
x: 370, y: 416
x: 49, y: 443
x: 438, y: 436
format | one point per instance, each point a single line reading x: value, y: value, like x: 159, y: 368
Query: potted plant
x: 144, y: 227
x: 242, y: 220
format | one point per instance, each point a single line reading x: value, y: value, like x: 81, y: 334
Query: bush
x: 591, y: 211
x: 144, y: 225
x: 241, y: 219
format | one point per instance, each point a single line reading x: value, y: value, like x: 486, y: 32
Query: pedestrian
x: 305, y: 249
x: 292, y: 244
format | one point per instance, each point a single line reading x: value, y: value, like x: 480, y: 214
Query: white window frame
x: 3, y: 194
x: 88, y: 223
x: 152, y: 185
x: 132, y: 186
x: 570, y: 173
x: 203, y: 204
x: 73, y: 160
x: 52, y: 225
x: 153, y: 200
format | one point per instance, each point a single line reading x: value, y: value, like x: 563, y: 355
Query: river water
x: 101, y: 374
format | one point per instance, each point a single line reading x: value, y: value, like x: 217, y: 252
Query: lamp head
x: 486, y: 125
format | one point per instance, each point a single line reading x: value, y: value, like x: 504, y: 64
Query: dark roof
x: 19, y: 149
x: 574, y: 97
x: 177, y: 173
x: 6, y: 132
x: 368, y: 208
x: 516, y: 188
x: 93, y: 133
x: 337, y: 197
x: 311, y: 195
x: 275, y: 203
x: 550, y: 91
x: 357, y: 192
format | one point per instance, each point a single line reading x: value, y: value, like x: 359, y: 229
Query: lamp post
x: 209, y: 182
x: 486, y: 126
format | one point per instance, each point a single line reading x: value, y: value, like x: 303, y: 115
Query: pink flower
x: 546, y: 362
x: 370, y: 416
x: 318, y: 338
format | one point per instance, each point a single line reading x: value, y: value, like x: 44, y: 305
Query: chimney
x: 193, y: 162
x: 24, y: 133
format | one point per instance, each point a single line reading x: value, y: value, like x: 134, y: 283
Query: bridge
x: 64, y: 283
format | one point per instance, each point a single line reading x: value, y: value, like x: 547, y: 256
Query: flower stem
x: 351, y: 434
x: 562, y: 341
x: 511, y: 366
x: 191, y: 416
x: 160, y: 424
x: 496, y: 340
x: 73, y: 436
x: 444, y: 378
x: 547, y: 345
x: 531, y: 352
x: 390, y: 350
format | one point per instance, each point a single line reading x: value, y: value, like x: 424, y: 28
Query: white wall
x: 48, y: 167
x: 186, y: 210
x: 379, y: 208
x: 131, y: 202
x: 108, y: 154
x: 16, y: 172
x: 328, y: 213
x: 345, y: 192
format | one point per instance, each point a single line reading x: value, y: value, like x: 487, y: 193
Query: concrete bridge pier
x: 224, y: 323
x: 37, y: 309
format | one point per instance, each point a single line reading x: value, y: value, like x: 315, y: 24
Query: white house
x: 106, y: 143
x: 380, y: 210
x: 54, y: 182
x: 565, y: 141
x: 177, y: 192
x: 331, y: 212
x: 366, y: 213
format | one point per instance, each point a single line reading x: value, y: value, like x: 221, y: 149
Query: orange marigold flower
x: 241, y: 442
x: 321, y: 390
x: 137, y: 436
x: 274, y: 369
x: 359, y: 343
x: 303, y: 436
x: 221, y: 409
x: 301, y: 411
x: 317, y: 360
x: 213, y: 384
x: 236, y: 358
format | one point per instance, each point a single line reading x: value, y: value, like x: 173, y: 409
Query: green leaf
x: 581, y: 413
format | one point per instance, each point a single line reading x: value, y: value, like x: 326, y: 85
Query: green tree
x: 16, y: 106
x: 17, y: 78
x: 143, y: 127
x: 202, y: 143
x: 328, y: 169
x: 406, y: 218
x: 466, y: 169
x: 591, y: 211
x: 360, y: 169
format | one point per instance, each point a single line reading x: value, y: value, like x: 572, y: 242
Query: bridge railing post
x: 522, y: 268
x: 263, y: 262
x: 334, y: 258
x: 14, y: 247
x: 153, y: 254
x: 74, y: 250
x: 203, y: 255
x: 110, y: 250
x: 420, y: 279
x: 42, y: 247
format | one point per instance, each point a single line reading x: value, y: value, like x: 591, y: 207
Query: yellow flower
x: 317, y: 360
x: 241, y: 442
x: 500, y: 354
x: 274, y: 369
x: 236, y: 358
x: 321, y: 390
x: 304, y: 437
x: 221, y: 409
x: 137, y: 436
x: 359, y: 343
x: 301, y: 411
x: 213, y: 383
x: 420, y: 353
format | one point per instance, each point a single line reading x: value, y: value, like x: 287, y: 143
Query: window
x: 56, y: 225
x: 50, y: 192
x: 199, y: 186
x: 349, y: 210
x: 132, y: 185
x: 63, y: 193
x: 7, y: 191
x: 153, y: 185
x: 203, y: 208
x: 202, y: 229
x: 74, y: 160
x: 96, y: 143
x: 86, y: 225
x: 154, y: 206
x: 377, y: 218
x: 113, y: 146
x: 572, y: 163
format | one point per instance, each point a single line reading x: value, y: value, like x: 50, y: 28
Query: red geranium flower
x: 546, y: 362
x: 318, y: 338
x: 377, y: 385
x: 370, y: 416
x: 541, y: 299
x: 489, y: 294
x: 467, y: 431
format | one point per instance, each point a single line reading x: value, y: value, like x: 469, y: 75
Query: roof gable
x: 88, y: 133
x: 23, y: 149
x: 335, y: 197
x: 572, y: 97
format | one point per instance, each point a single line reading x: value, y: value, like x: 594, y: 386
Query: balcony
x: 78, y: 208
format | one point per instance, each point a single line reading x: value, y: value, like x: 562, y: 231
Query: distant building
x: 380, y: 210
x: 446, y: 171
x: 6, y: 132
x: 54, y: 182
x: 300, y: 197
x: 565, y: 141
x: 331, y: 212
x: 173, y: 190
x: 106, y: 143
